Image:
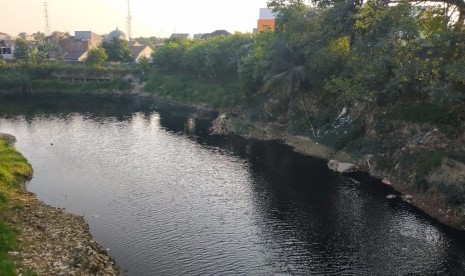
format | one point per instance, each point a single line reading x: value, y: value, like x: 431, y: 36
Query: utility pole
x: 128, y: 23
x: 47, y: 24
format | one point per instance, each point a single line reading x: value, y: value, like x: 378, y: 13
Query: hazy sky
x: 149, y: 17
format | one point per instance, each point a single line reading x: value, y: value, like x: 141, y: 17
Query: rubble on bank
x: 220, y: 125
x: 53, y: 242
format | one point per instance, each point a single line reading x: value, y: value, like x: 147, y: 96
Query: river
x: 166, y: 198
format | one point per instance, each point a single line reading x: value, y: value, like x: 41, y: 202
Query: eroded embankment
x: 424, y: 161
x: 50, y: 241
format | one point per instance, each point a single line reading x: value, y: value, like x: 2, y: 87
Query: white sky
x: 149, y: 17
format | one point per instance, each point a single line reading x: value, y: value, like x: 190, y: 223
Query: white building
x: 7, y: 49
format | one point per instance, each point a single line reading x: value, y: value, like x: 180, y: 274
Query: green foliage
x: 7, y: 243
x: 348, y: 87
x: 453, y: 194
x: 420, y: 113
x: 432, y: 160
x: 13, y: 167
x: 216, y: 93
x: 46, y: 50
x: 170, y: 56
x: 117, y: 50
x: 7, y: 238
x: 253, y: 64
x: 213, y: 58
x: 15, y: 82
x: 363, y: 146
x: 22, y: 77
x: 22, y: 50
x: 152, y: 42
x: 96, y: 56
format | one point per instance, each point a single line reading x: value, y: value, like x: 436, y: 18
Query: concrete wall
x: 266, y: 13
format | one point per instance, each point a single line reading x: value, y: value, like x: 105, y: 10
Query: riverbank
x: 445, y: 170
x: 47, y: 240
x: 417, y: 147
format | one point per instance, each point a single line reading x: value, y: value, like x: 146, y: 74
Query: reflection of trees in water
x: 96, y: 107
x: 315, y: 220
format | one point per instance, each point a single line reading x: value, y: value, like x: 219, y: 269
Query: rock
x: 341, y: 167
x: 390, y: 196
x: 8, y: 137
x: 408, y: 197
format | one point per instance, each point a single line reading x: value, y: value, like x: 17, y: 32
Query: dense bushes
x: 216, y: 57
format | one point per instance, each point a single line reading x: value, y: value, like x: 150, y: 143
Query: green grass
x: 188, y: 89
x: 7, y: 243
x: 441, y: 115
x: 23, y: 77
x: 433, y: 160
x: 13, y: 168
x: 69, y: 87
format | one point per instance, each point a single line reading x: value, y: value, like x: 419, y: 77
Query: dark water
x: 167, y: 199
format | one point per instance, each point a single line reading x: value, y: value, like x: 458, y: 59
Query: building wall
x: 4, y: 36
x: 266, y: 25
x: 82, y: 35
x: 266, y: 13
x: 94, y: 39
x: 73, y: 45
x: 7, y: 49
x: 146, y: 52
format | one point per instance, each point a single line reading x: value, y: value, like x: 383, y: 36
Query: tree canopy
x: 96, y: 56
x: 355, y: 49
x: 22, y: 50
x: 117, y: 50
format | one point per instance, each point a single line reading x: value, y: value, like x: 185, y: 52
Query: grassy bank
x: 56, y: 77
x: 217, y: 93
x: 14, y: 169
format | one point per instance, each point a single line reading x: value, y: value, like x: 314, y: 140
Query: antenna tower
x: 128, y: 22
x: 47, y: 24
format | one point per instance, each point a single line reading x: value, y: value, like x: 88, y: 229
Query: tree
x: 22, y: 50
x: 46, y: 50
x: 170, y: 56
x: 117, y: 50
x: 96, y: 56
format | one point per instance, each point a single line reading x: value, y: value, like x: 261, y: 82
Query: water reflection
x: 167, y: 198
x: 189, y: 126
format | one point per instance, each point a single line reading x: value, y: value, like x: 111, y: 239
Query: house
x: 4, y: 36
x: 26, y: 37
x: 215, y: 33
x: 267, y: 20
x: 140, y: 51
x: 180, y: 35
x: 93, y: 39
x: 76, y: 56
x: 75, y: 47
x: 7, y: 49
